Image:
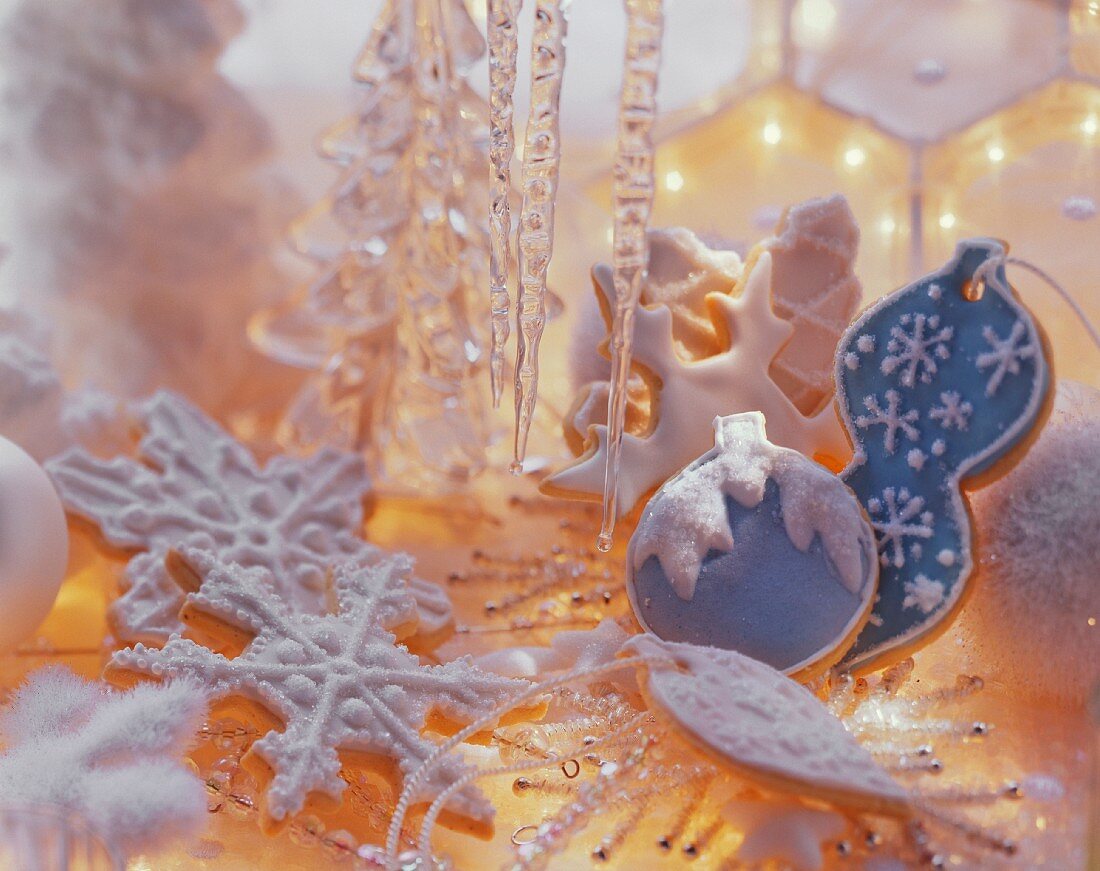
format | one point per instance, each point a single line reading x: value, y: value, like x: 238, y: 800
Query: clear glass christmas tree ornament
x: 402, y: 241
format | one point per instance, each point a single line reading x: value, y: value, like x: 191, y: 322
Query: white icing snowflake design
x: 915, y: 344
x: 954, y: 413
x: 339, y: 682
x: 924, y: 593
x: 898, y: 515
x: 195, y: 485
x: 1005, y: 355
x: 892, y: 418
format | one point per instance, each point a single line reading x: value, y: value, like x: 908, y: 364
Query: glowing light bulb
x: 855, y: 156
x: 887, y: 225
x: 1092, y: 621
x: 1094, y: 7
x: 1091, y: 125
x: 995, y: 153
x: 772, y: 133
x: 674, y: 181
x: 947, y: 220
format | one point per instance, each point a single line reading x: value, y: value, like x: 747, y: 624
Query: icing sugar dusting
x: 688, y: 517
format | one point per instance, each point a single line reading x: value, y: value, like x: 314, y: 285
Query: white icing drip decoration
x: 688, y: 517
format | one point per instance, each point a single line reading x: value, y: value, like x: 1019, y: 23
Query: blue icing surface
x: 765, y: 598
x: 933, y: 388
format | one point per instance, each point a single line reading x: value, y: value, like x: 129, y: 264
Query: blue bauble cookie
x: 937, y: 384
x: 757, y: 549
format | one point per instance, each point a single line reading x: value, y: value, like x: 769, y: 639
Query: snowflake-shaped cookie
x: 690, y: 393
x: 339, y: 683
x: 111, y: 758
x: 195, y: 485
x: 812, y: 286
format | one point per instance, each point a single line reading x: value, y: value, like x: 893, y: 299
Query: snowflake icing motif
x: 898, y: 515
x: 923, y: 592
x: 954, y: 413
x: 340, y: 682
x: 195, y: 485
x: 892, y: 418
x: 1005, y: 355
x: 915, y: 344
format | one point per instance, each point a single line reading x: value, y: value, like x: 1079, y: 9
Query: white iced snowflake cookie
x: 688, y: 395
x: 327, y: 690
x: 752, y: 719
x: 757, y: 549
x: 114, y: 759
x: 195, y: 485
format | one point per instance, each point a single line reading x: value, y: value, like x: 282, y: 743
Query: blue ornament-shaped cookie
x: 936, y: 384
x: 755, y: 548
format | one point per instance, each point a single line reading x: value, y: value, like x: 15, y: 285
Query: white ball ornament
x: 34, y: 545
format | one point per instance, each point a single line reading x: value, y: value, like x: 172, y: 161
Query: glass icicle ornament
x: 541, y: 161
x: 632, y: 196
x: 503, y: 39
x: 402, y: 240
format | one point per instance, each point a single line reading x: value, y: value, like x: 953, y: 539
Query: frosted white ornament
x: 34, y: 545
x: 748, y: 716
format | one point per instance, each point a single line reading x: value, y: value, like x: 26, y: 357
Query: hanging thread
x: 987, y: 272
